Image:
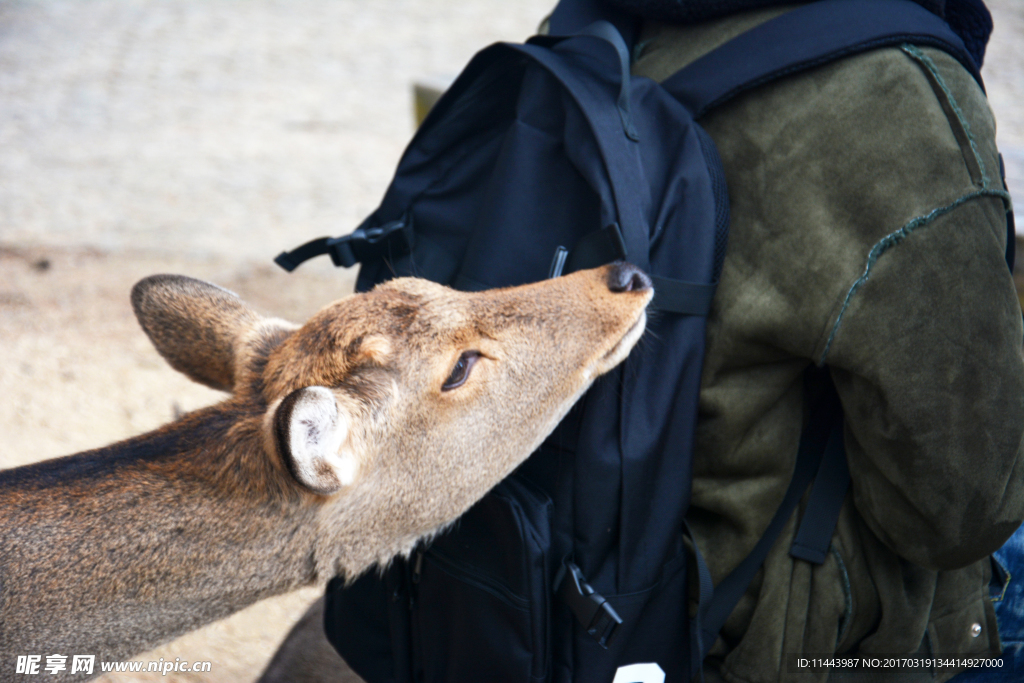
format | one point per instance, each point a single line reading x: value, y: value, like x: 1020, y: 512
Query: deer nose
x: 625, y: 277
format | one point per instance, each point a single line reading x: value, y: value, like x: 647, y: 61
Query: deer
x: 341, y: 444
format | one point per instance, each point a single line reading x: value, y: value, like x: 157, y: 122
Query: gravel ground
x: 203, y: 137
x: 217, y: 126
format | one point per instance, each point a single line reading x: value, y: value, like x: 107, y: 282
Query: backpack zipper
x: 473, y: 578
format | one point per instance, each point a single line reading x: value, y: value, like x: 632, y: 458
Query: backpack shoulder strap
x: 809, y: 36
x: 821, y: 458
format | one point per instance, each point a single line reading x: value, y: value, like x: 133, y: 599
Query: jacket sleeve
x: 925, y: 350
x: 928, y: 365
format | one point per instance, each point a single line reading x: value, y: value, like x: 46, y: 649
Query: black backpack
x: 542, y: 159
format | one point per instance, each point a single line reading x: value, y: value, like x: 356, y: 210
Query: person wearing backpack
x: 870, y: 238
x: 868, y: 234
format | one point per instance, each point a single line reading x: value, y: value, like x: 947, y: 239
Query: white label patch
x: 639, y: 673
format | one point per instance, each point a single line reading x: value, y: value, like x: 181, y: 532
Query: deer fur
x: 342, y: 443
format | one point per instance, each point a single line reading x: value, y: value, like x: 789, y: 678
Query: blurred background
x: 204, y: 137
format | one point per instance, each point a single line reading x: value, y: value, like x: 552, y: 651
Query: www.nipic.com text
x: 33, y: 665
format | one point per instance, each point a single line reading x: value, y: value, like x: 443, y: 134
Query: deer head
x: 342, y: 443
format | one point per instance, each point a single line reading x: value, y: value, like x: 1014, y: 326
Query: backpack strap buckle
x: 596, y: 615
x: 363, y: 244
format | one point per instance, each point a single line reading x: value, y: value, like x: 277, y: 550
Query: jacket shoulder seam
x: 932, y: 70
x: 895, y: 238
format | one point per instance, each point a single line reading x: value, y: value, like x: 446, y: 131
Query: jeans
x: 1010, y: 615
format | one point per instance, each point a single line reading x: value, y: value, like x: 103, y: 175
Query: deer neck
x: 114, y: 551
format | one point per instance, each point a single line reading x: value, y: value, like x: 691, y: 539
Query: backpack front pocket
x: 481, y: 592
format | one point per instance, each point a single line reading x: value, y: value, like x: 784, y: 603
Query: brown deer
x: 342, y: 443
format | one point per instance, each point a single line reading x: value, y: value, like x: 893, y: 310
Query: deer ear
x: 311, y: 430
x: 198, y: 327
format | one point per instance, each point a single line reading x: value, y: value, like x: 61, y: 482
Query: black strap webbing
x: 814, y: 535
x: 824, y: 422
x: 811, y: 35
x: 607, y: 245
x: 290, y: 260
x: 365, y: 243
x: 684, y: 298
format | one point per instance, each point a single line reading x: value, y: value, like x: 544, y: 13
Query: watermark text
x: 42, y: 665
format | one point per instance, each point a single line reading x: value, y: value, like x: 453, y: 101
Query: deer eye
x: 461, y: 370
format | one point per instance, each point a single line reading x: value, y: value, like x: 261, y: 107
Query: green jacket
x: 868, y: 233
